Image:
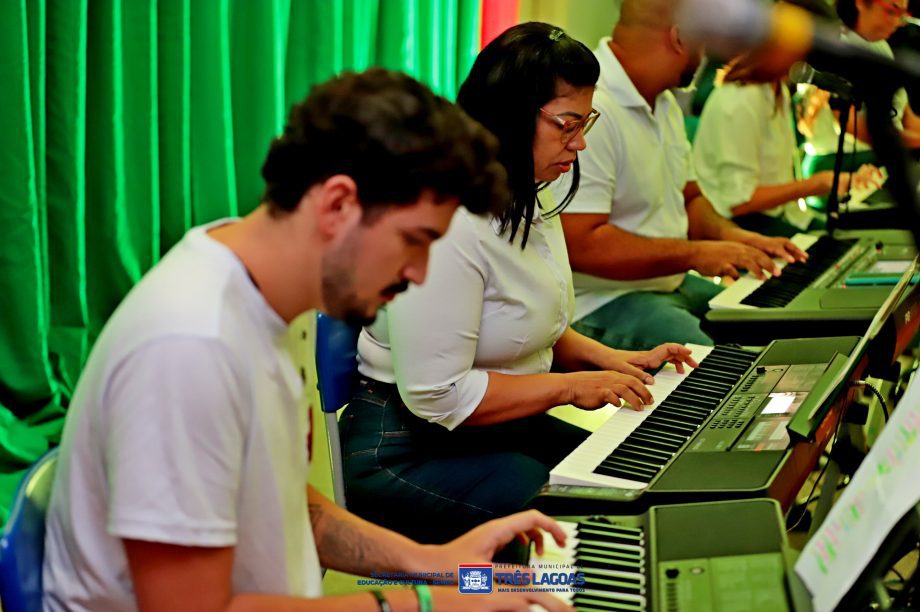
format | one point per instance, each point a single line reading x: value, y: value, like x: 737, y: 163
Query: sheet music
x: 881, y: 492
x: 731, y: 296
x: 578, y: 467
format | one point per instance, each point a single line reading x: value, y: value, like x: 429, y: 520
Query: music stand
x: 874, y: 523
x: 869, y: 591
x: 833, y: 383
x: 811, y: 413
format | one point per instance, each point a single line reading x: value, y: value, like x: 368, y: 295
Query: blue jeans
x: 642, y: 320
x: 432, y: 484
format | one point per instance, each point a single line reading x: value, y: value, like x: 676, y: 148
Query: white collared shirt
x: 486, y: 305
x: 745, y: 140
x: 634, y: 170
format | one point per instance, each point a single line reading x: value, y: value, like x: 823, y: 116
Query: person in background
x: 182, y: 478
x: 447, y: 428
x: 747, y: 158
x: 870, y: 23
x: 639, y: 222
x: 908, y: 37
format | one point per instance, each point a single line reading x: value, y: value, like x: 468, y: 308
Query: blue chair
x: 22, y: 546
x: 336, y: 367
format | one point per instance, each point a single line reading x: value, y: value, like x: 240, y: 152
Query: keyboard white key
x: 731, y: 296
x: 555, y: 555
x: 557, y: 558
x: 578, y: 467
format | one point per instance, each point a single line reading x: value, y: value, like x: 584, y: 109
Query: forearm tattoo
x: 343, y: 545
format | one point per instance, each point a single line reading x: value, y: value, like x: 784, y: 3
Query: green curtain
x: 125, y: 122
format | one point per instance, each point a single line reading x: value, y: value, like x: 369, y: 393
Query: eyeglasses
x: 571, y: 127
x: 892, y: 9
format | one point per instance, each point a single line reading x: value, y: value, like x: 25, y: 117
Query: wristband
x: 424, y: 598
x: 381, y: 601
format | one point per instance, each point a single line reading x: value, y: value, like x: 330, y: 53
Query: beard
x: 340, y: 288
x: 339, y: 296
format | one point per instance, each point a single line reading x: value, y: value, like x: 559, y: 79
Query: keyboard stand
x: 827, y: 493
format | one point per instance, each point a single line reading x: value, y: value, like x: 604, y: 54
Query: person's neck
x: 860, y: 30
x: 277, y: 257
x: 641, y: 66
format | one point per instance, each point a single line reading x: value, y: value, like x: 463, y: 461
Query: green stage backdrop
x: 125, y: 122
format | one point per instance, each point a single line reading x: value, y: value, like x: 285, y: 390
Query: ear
x: 674, y: 39
x: 337, y: 206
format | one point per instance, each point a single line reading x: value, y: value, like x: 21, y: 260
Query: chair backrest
x: 22, y: 545
x: 336, y: 361
x: 336, y: 367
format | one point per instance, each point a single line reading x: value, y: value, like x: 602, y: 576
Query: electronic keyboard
x: 719, y: 431
x: 729, y: 555
x: 812, y: 298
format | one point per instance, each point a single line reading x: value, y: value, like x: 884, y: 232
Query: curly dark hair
x: 513, y: 77
x: 395, y: 138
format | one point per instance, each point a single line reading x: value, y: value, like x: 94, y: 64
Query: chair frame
x: 335, y: 372
x: 20, y: 584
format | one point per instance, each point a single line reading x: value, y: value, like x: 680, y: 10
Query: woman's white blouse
x: 745, y: 140
x: 486, y: 305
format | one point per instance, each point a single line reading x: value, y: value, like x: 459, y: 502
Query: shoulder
x: 606, y: 137
x: 468, y: 229
x: 733, y: 97
x: 463, y: 244
x: 611, y: 110
x: 197, y: 291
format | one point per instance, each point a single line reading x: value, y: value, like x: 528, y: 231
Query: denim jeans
x: 432, y: 484
x: 642, y: 320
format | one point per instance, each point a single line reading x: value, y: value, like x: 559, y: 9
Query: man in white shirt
x: 182, y: 478
x: 639, y: 222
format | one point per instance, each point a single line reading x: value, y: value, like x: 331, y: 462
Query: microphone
x: 803, y: 73
x: 783, y: 34
x: 730, y: 27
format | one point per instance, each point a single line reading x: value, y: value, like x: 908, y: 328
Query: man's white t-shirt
x: 634, y: 170
x: 185, y: 428
x: 745, y: 140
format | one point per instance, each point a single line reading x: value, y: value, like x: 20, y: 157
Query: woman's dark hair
x: 848, y: 13
x: 394, y: 137
x: 513, y: 77
x: 821, y: 8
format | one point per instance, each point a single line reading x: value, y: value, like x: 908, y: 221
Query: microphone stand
x: 878, y: 79
x: 847, y: 105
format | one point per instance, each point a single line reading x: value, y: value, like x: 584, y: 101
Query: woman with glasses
x: 447, y: 427
x: 870, y: 23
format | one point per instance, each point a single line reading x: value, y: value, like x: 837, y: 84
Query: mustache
x: 397, y: 287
